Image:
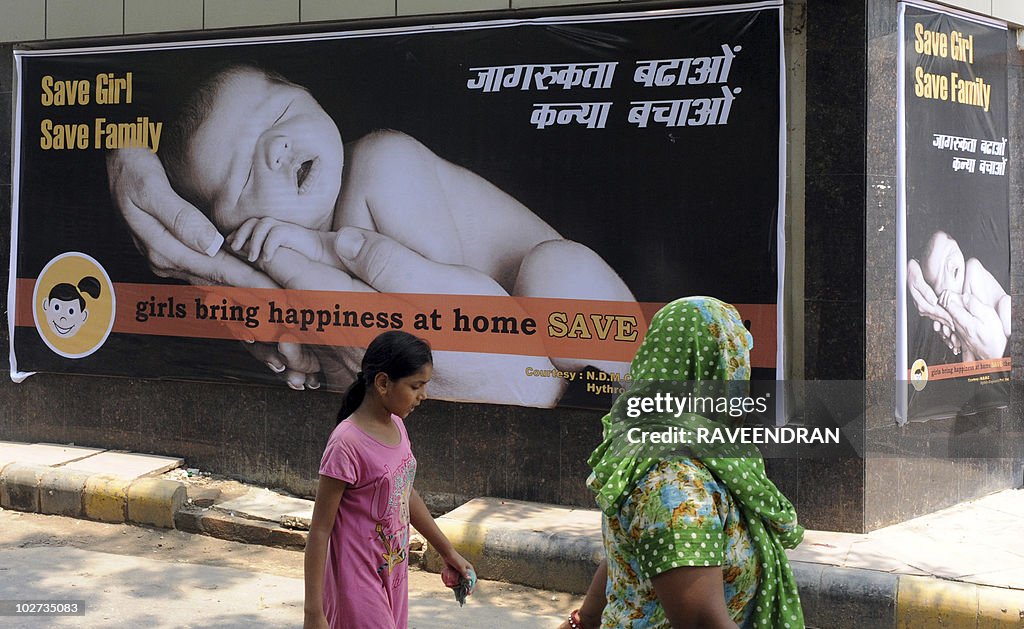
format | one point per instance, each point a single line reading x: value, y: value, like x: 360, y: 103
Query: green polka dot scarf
x: 699, y: 346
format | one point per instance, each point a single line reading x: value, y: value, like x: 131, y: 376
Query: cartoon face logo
x: 73, y: 304
x: 919, y: 374
x: 65, y: 308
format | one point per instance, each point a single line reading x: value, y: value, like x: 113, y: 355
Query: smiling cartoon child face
x: 65, y: 317
x: 73, y: 305
x: 64, y: 308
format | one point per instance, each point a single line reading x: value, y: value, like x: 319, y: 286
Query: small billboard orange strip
x: 968, y: 368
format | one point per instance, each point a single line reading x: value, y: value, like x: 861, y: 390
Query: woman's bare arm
x: 693, y: 598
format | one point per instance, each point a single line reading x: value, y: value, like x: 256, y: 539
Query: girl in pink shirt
x: 355, y: 566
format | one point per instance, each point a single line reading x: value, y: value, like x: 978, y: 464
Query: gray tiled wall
x: 30, y: 20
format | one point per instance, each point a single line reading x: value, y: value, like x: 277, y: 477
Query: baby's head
x: 249, y: 143
x: 943, y: 264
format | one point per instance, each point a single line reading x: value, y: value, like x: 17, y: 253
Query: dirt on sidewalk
x: 26, y: 530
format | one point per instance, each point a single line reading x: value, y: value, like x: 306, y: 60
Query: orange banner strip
x: 969, y: 368
x: 530, y: 326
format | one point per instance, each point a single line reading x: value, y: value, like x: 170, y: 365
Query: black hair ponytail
x: 395, y: 353
x: 353, y: 397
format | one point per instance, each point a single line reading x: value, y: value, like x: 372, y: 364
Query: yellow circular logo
x: 919, y: 374
x: 73, y: 304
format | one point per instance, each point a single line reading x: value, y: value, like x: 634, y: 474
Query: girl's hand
x: 456, y: 569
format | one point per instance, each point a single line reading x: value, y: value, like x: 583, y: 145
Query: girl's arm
x: 328, y: 497
x: 421, y: 519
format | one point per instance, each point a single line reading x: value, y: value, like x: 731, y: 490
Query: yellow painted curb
x: 927, y: 602
x: 467, y: 537
x: 1000, y: 608
x: 154, y: 501
x: 104, y: 498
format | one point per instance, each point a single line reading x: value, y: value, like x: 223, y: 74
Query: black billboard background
x: 675, y: 211
x: 972, y: 207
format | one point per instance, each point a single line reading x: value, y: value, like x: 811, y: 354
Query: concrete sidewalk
x: 961, y: 567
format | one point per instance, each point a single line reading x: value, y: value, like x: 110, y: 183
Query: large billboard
x: 954, y: 221
x: 523, y: 193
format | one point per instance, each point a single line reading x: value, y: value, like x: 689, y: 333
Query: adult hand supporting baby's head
x: 176, y: 238
x: 180, y: 242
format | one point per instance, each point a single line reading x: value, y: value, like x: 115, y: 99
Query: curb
x: 53, y: 491
x: 832, y: 597
x: 231, y: 527
x: 551, y: 561
x: 840, y: 598
x: 929, y: 602
x: 145, y: 501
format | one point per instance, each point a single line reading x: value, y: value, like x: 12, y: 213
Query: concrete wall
x: 1010, y: 10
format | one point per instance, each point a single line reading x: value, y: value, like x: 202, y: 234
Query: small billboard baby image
x: 65, y: 307
x: 74, y: 304
x: 965, y: 301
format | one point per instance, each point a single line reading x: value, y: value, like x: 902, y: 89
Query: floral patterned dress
x: 677, y: 515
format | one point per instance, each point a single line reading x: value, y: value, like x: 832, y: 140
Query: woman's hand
x: 577, y: 620
x: 588, y: 616
x: 930, y: 305
x: 382, y: 264
x: 924, y: 296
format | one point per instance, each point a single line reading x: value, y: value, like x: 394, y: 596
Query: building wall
x: 940, y: 470
x: 840, y: 320
x: 26, y: 20
x: 274, y: 436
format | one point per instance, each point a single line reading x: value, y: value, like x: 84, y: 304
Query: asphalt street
x: 131, y: 576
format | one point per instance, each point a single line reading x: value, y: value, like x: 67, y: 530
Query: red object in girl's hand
x: 450, y: 577
x: 462, y: 586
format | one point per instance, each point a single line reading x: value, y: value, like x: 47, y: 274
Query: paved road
x: 132, y: 576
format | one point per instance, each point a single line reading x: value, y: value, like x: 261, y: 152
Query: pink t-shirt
x: 366, y: 576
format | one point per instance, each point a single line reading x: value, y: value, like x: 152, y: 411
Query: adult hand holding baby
x: 179, y: 241
x: 382, y: 264
x: 928, y: 305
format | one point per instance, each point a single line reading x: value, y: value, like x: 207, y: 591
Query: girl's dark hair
x: 66, y: 292
x: 395, y: 353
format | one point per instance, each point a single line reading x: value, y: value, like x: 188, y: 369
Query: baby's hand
x: 264, y: 235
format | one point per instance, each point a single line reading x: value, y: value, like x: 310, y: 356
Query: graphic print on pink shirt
x: 393, y: 490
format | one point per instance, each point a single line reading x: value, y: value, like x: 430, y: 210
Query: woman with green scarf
x: 694, y: 535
